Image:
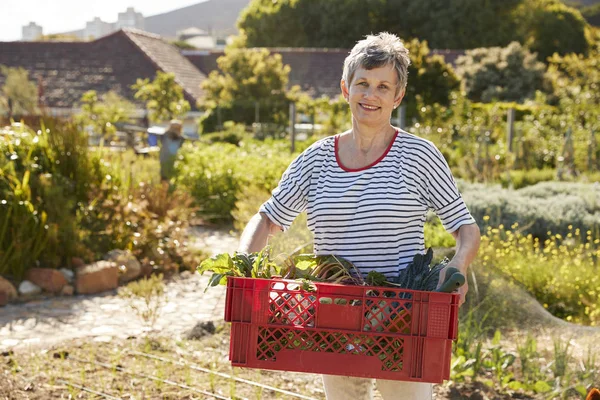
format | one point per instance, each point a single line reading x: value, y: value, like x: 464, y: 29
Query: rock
x: 147, y: 268
x: 129, y: 267
x: 67, y: 290
x: 7, y: 291
x: 200, y: 330
x: 50, y: 280
x: 77, y: 262
x: 68, y: 274
x: 185, y: 274
x: 28, y: 288
x: 97, y: 277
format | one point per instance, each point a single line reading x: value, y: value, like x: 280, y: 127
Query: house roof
x: 316, y: 71
x: 66, y: 70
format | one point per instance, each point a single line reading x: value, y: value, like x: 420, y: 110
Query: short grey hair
x: 377, y: 51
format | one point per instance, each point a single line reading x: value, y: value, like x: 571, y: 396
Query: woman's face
x: 372, y: 95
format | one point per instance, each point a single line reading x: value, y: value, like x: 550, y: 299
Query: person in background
x: 170, y: 142
x: 367, y: 192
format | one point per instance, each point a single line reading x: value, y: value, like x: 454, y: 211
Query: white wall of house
x: 32, y: 32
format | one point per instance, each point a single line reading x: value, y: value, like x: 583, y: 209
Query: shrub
x: 217, y: 174
x: 510, y: 73
x: 560, y: 271
x: 59, y: 201
x: 522, y: 178
x: 538, y: 209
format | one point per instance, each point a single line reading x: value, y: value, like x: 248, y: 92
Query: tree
x: 466, y: 24
x: 340, y: 23
x: 549, y: 27
x: 103, y: 113
x: 163, y: 96
x: 247, y: 77
x: 429, y: 77
x: 18, y: 95
x: 511, y: 73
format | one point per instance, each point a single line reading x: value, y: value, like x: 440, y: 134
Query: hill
x: 216, y: 16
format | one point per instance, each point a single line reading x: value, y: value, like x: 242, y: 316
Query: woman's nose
x: 369, y: 92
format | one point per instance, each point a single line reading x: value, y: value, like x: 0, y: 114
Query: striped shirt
x: 373, y: 216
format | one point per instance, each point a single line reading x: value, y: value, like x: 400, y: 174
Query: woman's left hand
x: 462, y: 290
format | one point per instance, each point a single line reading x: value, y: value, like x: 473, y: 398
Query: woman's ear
x: 344, y: 89
x: 399, y: 98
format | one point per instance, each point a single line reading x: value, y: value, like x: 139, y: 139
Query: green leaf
x: 221, y: 263
x: 581, y: 390
x: 215, y: 280
x: 515, y: 385
x: 542, y: 387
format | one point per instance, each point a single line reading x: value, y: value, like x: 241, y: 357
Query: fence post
x: 293, y: 126
x: 401, y: 116
x: 592, y: 151
x: 510, y: 128
x: 256, y: 112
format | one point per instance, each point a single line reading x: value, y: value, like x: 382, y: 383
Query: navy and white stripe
x: 374, y: 216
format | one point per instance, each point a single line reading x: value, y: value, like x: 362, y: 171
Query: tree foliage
x: 576, y: 82
x: 548, y: 27
x: 163, y: 96
x: 102, y: 113
x: 429, y: 77
x: 18, y: 95
x: 246, y: 77
x: 467, y: 24
x: 510, y: 73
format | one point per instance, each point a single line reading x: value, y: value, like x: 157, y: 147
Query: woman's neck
x: 365, y: 138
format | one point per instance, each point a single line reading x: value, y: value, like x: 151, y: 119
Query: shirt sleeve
x: 441, y: 194
x: 290, y: 197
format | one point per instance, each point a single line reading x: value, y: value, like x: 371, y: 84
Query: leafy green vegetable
x: 249, y: 265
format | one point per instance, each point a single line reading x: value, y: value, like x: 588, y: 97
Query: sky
x: 57, y: 16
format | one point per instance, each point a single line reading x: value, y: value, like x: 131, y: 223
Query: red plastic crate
x: 341, y: 330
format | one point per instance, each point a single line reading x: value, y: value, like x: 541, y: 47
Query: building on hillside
x: 129, y: 19
x: 32, y: 32
x: 64, y: 71
x: 96, y: 28
x: 198, y: 38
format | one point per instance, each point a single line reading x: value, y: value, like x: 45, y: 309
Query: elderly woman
x: 367, y: 192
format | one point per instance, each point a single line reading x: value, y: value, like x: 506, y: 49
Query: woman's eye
x: 363, y: 84
x: 383, y: 87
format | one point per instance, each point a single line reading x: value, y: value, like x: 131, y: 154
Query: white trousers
x: 350, y: 388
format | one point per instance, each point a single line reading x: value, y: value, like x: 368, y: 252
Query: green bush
x: 510, y: 73
x: 217, y: 174
x: 60, y: 201
x: 537, y: 209
x: 522, y: 178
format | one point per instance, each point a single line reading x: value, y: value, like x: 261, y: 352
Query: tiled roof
x: 316, y: 71
x: 66, y: 70
x: 450, y: 56
x: 169, y: 59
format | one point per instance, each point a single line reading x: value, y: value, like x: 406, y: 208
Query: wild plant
x: 145, y: 297
x: 562, y: 356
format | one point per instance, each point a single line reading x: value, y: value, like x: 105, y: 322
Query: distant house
x: 64, y: 71
x: 316, y: 71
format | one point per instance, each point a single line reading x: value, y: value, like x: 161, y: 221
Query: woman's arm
x: 256, y: 233
x: 467, y: 244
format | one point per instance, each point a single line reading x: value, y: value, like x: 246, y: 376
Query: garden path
x: 104, y: 316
